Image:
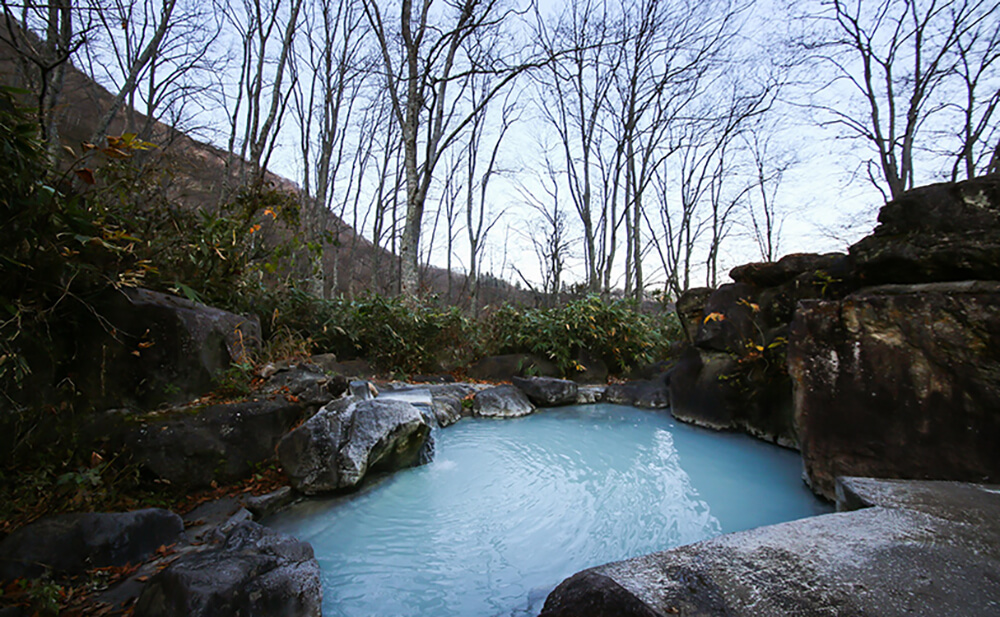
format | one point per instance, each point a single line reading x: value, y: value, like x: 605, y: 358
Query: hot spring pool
x: 509, y: 508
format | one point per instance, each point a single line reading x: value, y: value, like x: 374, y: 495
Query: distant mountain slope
x: 199, y: 178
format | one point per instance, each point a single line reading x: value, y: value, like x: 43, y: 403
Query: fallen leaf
x: 86, y: 175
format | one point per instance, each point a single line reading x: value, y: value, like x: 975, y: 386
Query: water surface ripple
x: 509, y: 508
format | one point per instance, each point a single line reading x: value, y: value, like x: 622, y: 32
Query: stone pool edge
x: 895, y: 547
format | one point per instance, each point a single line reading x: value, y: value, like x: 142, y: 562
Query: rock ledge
x: 915, y: 548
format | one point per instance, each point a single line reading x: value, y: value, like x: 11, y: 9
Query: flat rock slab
x: 915, y: 548
x: 502, y: 402
x: 547, y: 391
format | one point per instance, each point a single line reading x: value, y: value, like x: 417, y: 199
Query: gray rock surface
x: 916, y: 548
x: 211, y: 521
x: 501, y: 402
x: 348, y: 438
x: 418, y: 396
x: 165, y: 349
x: 940, y: 232
x: 310, y: 385
x: 899, y: 382
x: 269, y: 503
x: 547, y: 391
x: 192, y: 447
x: 448, y: 401
x: 647, y: 393
x: 788, y: 268
x: 256, y: 572
x: 590, y: 394
x: 362, y: 390
x: 73, y: 543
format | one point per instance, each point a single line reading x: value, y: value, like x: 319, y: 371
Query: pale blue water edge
x: 509, y: 508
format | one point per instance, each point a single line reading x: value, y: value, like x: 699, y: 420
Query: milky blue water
x: 509, y: 508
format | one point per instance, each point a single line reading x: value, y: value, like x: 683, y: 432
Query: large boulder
x: 547, y: 391
x: 916, y: 549
x: 157, y: 348
x: 899, y: 381
x: 347, y: 439
x: 501, y: 402
x: 192, y: 447
x: 73, y: 543
x: 256, y: 572
x: 940, y: 232
x: 729, y: 322
x: 648, y: 393
x: 734, y: 375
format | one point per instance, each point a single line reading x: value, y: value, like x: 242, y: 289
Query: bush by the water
x: 421, y: 335
x: 613, y: 330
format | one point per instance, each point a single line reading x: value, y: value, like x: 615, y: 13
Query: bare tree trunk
x: 418, y: 76
x: 136, y: 65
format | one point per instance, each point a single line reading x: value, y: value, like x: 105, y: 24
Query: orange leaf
x: 86, y: 175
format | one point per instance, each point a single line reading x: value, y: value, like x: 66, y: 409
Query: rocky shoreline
x: 880, y: 362
x: 216, y: 560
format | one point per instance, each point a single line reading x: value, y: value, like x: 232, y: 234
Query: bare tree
x: 143, y: 27
x: 548, y: 234
x: 43, y: 38
x: 675, y: 232
x: 671, y: 47
x: 424, y: 61
x: 893, y: 56
x: 575, y: 96
x: 156, y: 57
x: 266, y: 50
x: 766, y: 217
x: 977, y: 52
x: 335, y: 67
x: 478, y: 221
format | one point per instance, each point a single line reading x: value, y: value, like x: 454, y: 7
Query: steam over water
x: 509, y: 508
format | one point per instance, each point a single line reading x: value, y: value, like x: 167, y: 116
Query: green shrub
x: 396, y: 335
x: 613, y: 330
